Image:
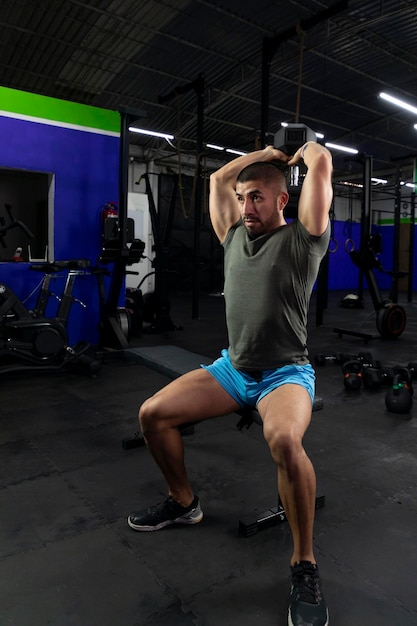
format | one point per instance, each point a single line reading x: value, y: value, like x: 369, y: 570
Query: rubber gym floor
x: 68, y: 558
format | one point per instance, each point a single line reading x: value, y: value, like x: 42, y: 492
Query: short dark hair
x: 268, y: 172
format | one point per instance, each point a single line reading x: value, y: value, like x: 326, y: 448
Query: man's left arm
x: 317, y: 191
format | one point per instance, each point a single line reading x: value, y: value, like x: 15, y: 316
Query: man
x: 270, y: 270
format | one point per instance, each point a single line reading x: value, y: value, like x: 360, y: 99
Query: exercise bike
x: 29, y: 339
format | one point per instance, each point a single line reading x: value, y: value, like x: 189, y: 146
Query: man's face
x: 260, y: 206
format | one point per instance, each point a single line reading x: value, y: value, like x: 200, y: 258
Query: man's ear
x: 282, y: 200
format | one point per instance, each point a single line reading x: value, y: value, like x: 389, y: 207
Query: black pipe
x: 396, y: 242
x: 198, y: 196
x: 411, y: 247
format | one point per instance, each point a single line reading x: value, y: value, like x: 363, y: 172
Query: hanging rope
x: 301, y: 35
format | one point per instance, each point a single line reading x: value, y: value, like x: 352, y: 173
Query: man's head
x: 261, y: 191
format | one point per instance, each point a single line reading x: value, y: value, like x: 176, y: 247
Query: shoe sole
x: 179, y: 520
x: 291, y: 623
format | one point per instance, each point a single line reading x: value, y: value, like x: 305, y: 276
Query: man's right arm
x: 223, y: 206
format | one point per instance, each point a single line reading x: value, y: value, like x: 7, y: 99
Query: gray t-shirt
x: 268, y: 285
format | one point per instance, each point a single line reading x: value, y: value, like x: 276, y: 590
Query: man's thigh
x: 195, y: 396
x: 287, y: 408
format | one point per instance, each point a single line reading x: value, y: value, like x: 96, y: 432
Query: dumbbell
x: 399, y: 399
x: 412, y: 368
x: 322, y: 359
x: 371, y: 378
x: 374, y: 377
x: 352, y: 375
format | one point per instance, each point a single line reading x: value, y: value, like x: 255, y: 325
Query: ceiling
x: 155, y: 55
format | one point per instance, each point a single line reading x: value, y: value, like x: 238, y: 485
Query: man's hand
x: 299, y: 155
x: 273, y: 154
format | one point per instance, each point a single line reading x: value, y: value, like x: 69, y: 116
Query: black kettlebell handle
x: 352, y: 367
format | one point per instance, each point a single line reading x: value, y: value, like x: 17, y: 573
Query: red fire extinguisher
x: 109, y: 210
x: 109, y: 222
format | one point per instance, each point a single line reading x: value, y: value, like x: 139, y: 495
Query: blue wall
x: 344, y: 275
x: 85, y: 165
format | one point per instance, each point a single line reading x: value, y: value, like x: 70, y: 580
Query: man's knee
x: 151, y: 414
x: 285, y: 446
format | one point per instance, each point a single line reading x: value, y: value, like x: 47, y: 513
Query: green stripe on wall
x: 44, y: 107
x: 390, y: 221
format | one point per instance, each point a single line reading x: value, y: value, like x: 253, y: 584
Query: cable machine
x: 118, y: 233
x: 390, y: 316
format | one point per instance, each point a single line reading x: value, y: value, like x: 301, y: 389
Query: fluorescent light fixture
x: 214, y: 146
x: 235, y: 151
x: 335, y: 146
x: 415, y: 126
x: 379, y: 180
x: 151, y: 133
x: 412, y: 185
x: 349, y: 184
x: 398, y: 102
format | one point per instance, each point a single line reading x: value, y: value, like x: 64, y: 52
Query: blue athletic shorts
x: 247, y: 391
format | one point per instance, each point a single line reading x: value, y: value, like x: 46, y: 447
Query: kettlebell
x: 399, y: 399
x: 352, y: 372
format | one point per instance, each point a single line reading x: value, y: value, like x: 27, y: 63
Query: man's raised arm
x: 317, y: 191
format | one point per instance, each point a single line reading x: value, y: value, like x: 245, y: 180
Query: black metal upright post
x: 127, y: 117
x: 199, y: 86
x: 198, y: 196
x: 411, y: 247
x: 396, y: 242
x: 367, y: 162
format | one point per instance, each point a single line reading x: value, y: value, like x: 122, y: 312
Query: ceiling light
x: 398, y: 102
x: 151, y: 133
x: 379, y: 180
x: 415, y: 126
x: 213, y: 146
x: 235, y: 151
x: 335, y: 146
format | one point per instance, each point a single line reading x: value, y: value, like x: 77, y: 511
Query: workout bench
x: 173, y: 362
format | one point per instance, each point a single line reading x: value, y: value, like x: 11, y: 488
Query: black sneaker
x: 307, y: 605
x: 164, y: 514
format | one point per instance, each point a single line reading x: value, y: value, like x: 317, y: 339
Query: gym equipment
x: 374, y: 378
x: 198, y: 86
x: 28, y: 339
x: 412, y: 368
x: 270, y: 46
x: 352, y: 375
x: 390, y: 316
x: 338, y: 358
x: 156, y: 305
x: 399, y: 399
x: 289, y: 139
x: 13, y: 223
x: 173, y: 362
x: 119, y: 246
x: 250, y: 525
